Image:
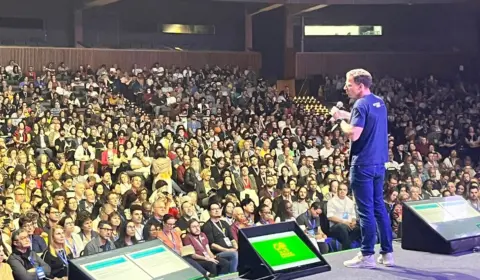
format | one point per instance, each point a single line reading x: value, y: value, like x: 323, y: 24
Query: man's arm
x: 357, y: 122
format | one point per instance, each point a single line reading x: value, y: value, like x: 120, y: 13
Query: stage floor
x: 409, y: 265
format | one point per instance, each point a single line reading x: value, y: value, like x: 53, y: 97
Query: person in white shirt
x: 343, y: 218
x: 327, y: 150
x: 136, y: 70
x: 166, y: 88
x: 177, y: 75
x: 91, y: 83
x: 137, y: 218
x: 84, y: 154
x: 310, y: 150
x: 187, y: 72
x: 392, y: 165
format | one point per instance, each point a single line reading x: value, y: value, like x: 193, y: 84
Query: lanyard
x: 31, y: 260
x: 312, y: 225
x: 222, y: 230
x: 200, y: 242
x: 139, y: 234
x: 72, y: 246
x: 63, y: 256
x: 173, y: 242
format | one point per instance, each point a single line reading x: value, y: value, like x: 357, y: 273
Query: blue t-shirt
x: 371, y: 148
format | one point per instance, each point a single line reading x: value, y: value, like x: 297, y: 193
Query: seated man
x: 37, y: 244
x: 203, y: 255
x: 310, y: 221
x: 102, y: 242
x: 220, y: 236
x: 343, y: 218
x: 25, y: 263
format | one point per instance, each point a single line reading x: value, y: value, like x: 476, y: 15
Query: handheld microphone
x: 334, y: 110
x: 335, y: 126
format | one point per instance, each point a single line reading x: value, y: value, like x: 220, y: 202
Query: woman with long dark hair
x: 71, y: 208
x: 127, y: 235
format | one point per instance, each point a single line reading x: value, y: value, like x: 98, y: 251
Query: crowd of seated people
x: 98, y: 159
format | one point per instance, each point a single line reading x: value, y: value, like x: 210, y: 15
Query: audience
x: 92, y: 160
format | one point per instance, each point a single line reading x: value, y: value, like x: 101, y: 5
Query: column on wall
x: 289, y: 51
x: 248, y: 31
x: 78, y: 27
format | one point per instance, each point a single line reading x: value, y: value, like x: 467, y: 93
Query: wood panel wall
x: 445, y: 65
x: 38, y: 56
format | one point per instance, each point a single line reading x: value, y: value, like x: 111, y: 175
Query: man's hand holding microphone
x: 338, y: 114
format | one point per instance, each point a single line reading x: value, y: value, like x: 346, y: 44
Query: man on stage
x: 367, y: 131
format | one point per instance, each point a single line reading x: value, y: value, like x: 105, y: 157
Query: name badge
x: 227, y: 241
x: 345, y: 216
x: 40, y: 272
x: 311, y: 232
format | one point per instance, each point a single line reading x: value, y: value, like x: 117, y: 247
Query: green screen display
x: 283, y: 250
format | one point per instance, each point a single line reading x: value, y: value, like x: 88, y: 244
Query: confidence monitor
x: 446, y: 225
x: 281, y: 251
x: 144, y: 261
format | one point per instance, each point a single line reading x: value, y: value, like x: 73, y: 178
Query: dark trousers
x: 345, y: 235
x: 367, y: 185
x: 195, y: 264
x: 323, y: 247
x: 223, y: 266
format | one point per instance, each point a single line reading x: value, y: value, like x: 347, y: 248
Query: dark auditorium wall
x: 138, y: 24
x: 57, y: 27
x: 442, y: 28
x: 74, y: 57
x: 269, y: 40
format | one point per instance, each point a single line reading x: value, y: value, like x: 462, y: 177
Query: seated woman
x: 57, y: 254
x: 171, y: 237
x: 72, y: 240
x: 126, y: 236
x: 151, y: 229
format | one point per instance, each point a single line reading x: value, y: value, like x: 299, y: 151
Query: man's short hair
x: 102, y: 223
x: 213, y: 203
x: 49, y: 209
x: 136, y: 207
x: 246, y: 201
x: 361, y: 76
x: 24, y: 220
x: 16, y: 233
x: 316, y: 205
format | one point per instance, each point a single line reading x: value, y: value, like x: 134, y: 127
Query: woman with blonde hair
x: 162, y: 168
x: 206, y: 188
x: 57, y: 253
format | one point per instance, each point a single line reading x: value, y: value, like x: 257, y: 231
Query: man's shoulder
x: 302, y: 216
x: 224, y: 223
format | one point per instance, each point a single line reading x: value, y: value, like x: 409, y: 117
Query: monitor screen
x: 145, y: 261
x: 283, y: 250
x: 452, y: 217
